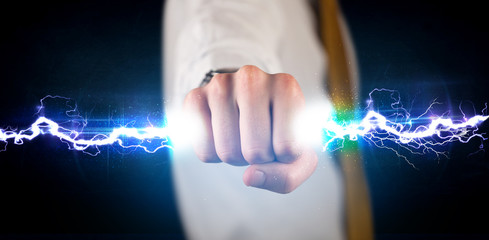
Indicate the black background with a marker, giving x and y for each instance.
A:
(426, 50)
(107, 57)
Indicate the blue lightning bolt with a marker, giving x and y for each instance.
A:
(398, 128)
(403, 130)
(74, 138)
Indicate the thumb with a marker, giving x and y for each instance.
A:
(281, 177)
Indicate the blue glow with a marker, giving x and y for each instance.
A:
(398, 127)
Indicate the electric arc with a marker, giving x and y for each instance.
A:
(422, 134)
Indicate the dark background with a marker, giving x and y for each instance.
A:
(106, 55)
(426, 50)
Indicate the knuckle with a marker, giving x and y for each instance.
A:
(252, 83)
(257, 155)
(250, 77)
(220, 85)
(287, 151)
(288, 84)
(287, 78)
(249, 69)
(221, 79)
(195, 95)
(230, 157)
(207, 157)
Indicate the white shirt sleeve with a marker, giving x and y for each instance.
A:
(214, 34)
(277, 36)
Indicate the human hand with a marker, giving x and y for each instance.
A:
(247, 118)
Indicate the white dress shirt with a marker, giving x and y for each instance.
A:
(277, 36)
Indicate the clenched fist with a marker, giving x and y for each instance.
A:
(247, 118)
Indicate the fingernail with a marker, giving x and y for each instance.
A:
(257, 178)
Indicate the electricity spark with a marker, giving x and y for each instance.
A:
(150, 139)
(403, 131)
(44, 126)
(398, 128)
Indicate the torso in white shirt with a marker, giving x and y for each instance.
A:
(213, 201)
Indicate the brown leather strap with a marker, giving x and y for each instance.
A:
(358, 217)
